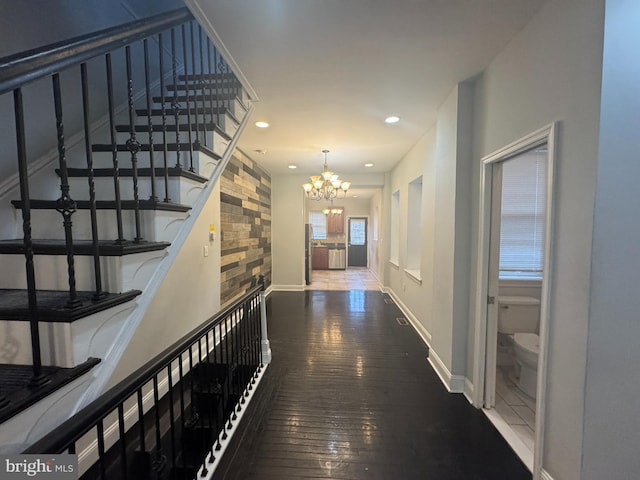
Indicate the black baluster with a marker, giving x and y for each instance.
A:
(210, 83)
(158, 462)
(175, 106)
(114, 150)
(213, 406)
(38, 378)
(202, 86)
(172, 420)
(187, 91)
(194, 86)
(165, 153)
(133, 146)
(123, 444)
(218, 94)
(92, 191)
(147, 83)
(100, 438)
(229, 367)
(65, 205)
(223, 393)
(141, 428)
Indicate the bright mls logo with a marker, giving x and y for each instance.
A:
(53, 467)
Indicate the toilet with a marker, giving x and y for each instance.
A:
(519, 317)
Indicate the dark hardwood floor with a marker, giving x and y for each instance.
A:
(350, 395)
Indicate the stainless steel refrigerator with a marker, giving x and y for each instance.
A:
(308, 252)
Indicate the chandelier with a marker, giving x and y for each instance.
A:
(326, 185)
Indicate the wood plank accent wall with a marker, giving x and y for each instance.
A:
(245, 229)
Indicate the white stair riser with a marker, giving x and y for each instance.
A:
(119, 274)
(156, 226)
(65, 344)
(181, 190)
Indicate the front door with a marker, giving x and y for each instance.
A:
(357, 252)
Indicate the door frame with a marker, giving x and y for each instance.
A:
(349, 217)
(548, 135)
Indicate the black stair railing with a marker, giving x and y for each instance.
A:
(114, 68)
(172, 414)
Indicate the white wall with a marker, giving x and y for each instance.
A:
(611, 419)
(416, 296)
(551, 71)
(287, 231)
(188, 296)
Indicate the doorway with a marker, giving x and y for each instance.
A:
(495, 270)
(357, 242)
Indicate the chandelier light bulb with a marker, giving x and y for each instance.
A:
(327, 185)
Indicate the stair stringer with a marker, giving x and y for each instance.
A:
(36, 421)
(102, 374)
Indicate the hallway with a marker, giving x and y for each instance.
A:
(350, 395)
(353, 278)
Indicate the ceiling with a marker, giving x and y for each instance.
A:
(328, 72)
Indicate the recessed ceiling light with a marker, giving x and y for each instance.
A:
(293, 166)
(262, 124)
(261, 152)
(392, 119)
(355, 196)
(368, 165)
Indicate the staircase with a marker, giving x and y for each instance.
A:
(96, 225)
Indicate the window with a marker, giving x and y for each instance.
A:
(394, 256)
(523, 215)
(318, 221)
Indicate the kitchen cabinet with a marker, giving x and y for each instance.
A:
(320, 258)
(335, 223)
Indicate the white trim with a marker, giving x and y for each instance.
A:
(414, 275)
(395, 264)
(287, 288)
(468, 390)
(417, 325)
(202, 19)
(514, 441)
(212, 466)
(546, 135)
(544, 475)
(453, 383)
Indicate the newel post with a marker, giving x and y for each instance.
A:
(266, 348)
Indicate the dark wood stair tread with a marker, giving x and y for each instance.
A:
(108, 248)
(14, 304)
(109, 205)
(199, 97)
(169, 112)
(15, 384)
(142, 128)
(171, 147)
(128, 172)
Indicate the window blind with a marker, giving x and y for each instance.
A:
(318, 221)
(523, 214)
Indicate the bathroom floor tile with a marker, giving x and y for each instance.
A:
(507, 412)
(526, 414)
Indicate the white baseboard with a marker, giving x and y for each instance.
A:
(453, 383)
(544, 475)
(287, 288)
(422, 331)
(468, 390)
